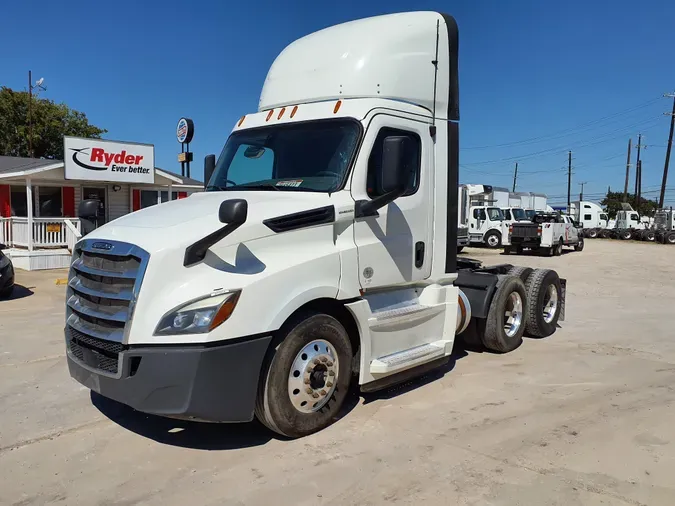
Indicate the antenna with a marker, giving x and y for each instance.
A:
(434, 62)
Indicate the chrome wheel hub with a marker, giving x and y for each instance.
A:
(550, 303)
(513, 316)
(313, 376)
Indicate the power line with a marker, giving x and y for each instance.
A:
(670, 144)
(573, 129)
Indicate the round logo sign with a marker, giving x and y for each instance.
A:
(185, 130)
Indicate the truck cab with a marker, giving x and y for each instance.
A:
(485, 225)
(664, 226)
(323, 249)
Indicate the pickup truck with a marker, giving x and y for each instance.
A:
(547, 232)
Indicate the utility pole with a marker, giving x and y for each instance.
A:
(581, 194)
(625, 186)
(515, 177)
(638, 193)
(670, 145)
(637, 162)
(569, 181)
(30, 121)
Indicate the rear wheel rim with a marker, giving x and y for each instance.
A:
(313, 376)
(550, 303)
(513, 314)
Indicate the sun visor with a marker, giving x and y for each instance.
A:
(390, 57)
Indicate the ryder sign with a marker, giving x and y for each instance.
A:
(111, 161)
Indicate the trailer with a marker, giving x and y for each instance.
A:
(322, 254)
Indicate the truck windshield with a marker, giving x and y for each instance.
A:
(519, 214)
(495, 214)
(312, 156)
(530, 213)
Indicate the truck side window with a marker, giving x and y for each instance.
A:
(479, 214)
(507, 214)
(414, 158)
(634, 217)
(588, 217)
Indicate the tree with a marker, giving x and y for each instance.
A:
(612, 203)
(51, 122)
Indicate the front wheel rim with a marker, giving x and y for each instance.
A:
(513, 314)
(492, 241)
(313, 376)
(550, 303)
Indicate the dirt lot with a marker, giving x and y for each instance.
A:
(579, 418)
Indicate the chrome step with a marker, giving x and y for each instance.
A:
(404, 314)
(407, 358)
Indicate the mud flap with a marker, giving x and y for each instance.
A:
(563, 292)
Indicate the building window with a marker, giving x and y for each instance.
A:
(153, 197)
(49, 202)
(18, 201)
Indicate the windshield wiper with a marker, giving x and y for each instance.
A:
(259, 186)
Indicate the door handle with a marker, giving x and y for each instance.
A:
(419, 254)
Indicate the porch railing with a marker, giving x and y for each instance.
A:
(45, 233)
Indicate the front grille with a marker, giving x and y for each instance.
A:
(96, 353)
(101, 295)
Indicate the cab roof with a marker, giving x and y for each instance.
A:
(385, 57)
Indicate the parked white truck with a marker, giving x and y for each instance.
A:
(664, 226)
(592, 218)
(547, 232)
(323, 249)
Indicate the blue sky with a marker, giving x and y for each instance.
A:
(536, 78)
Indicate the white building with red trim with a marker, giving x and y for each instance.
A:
(38, 206)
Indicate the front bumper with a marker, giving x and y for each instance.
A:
(6, 277)
(208, 383)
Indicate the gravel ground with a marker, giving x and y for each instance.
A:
(578, 418)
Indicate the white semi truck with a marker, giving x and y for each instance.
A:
(664, 226)
(592, 218)
(324, 249)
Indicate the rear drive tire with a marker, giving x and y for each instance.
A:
(314, 349)
(558, 249)
(579, 246)
(544, 302)
(625, 234)
(505, 324)
(493, 239)
(459, 249)
(592, 233)
(669, 238)
(522, 272)
(649, 236)
(507, 250)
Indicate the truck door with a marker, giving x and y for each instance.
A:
(394, 247)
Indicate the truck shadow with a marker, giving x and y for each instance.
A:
(221, 436)
(183, 433)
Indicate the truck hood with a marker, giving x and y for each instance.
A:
(181, 222)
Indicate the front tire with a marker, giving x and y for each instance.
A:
(669, 238)
(306, 380)
(493, 239)
(544, 302)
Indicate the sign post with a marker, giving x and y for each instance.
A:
(185, 130)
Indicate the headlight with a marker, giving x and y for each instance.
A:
(198, 316)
